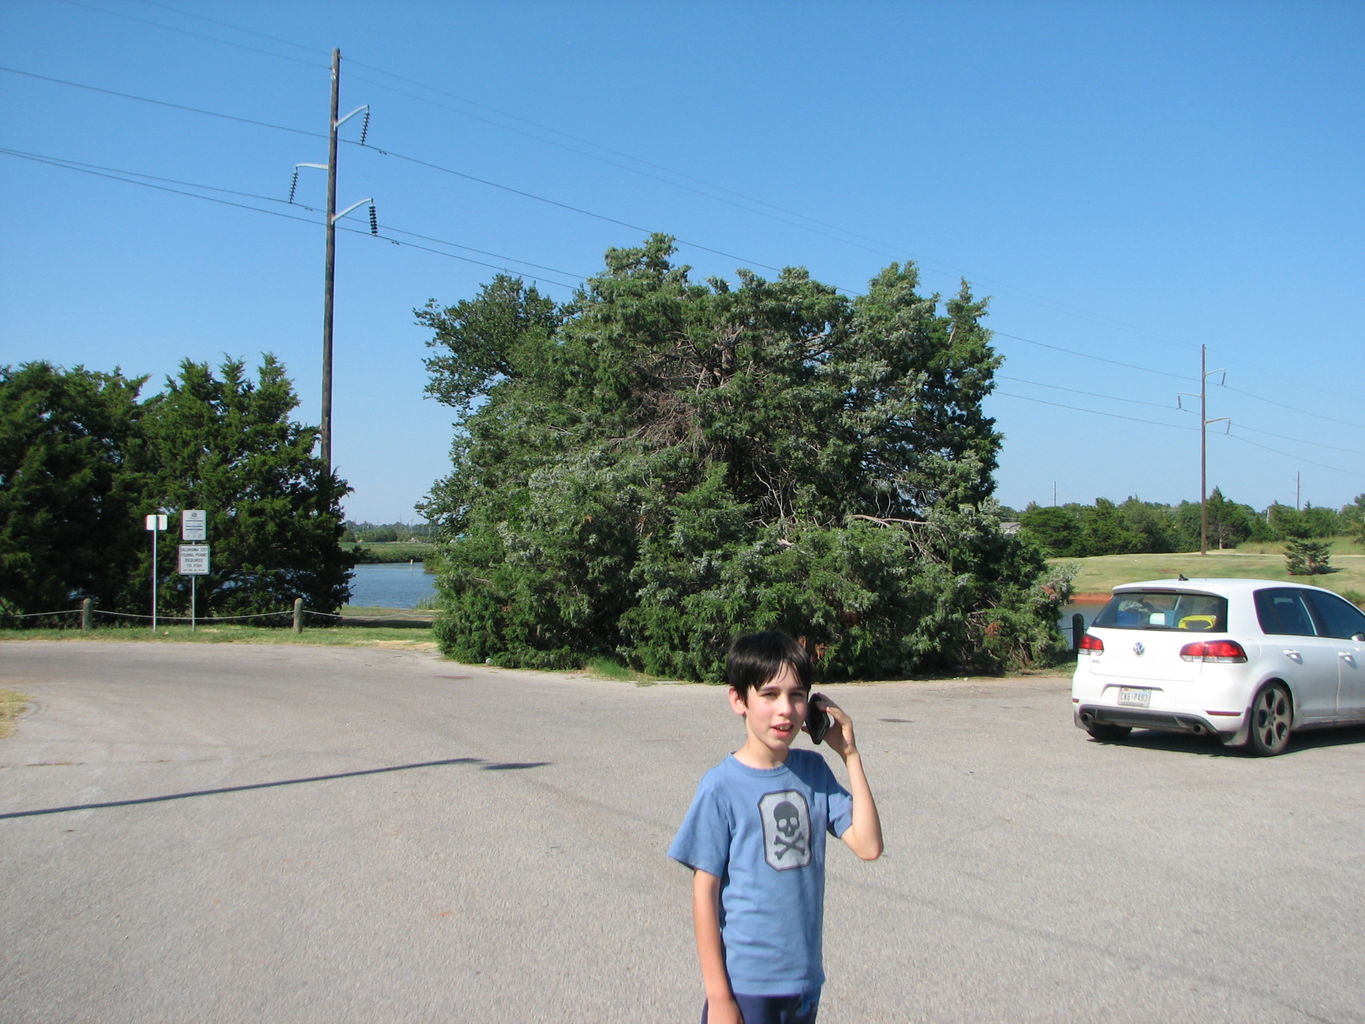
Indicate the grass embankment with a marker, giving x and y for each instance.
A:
(416, 635)
(1099, 574)
(391, 551)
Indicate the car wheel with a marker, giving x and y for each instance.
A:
(1271, 716)
(1109, 733)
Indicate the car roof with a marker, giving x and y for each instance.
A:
(1211, 584)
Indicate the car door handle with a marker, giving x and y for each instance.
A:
(1292, 654)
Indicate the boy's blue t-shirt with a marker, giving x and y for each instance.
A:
(762, 832)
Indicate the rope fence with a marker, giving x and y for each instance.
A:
(86, 613)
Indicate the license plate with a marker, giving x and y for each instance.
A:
(1131, 697)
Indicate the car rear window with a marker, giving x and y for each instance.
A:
(1165, 609)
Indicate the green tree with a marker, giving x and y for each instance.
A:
(1103, 531)
(658, 464)
(70, 512)
(1320, 521)
(1306, 557)
(1353, 518)
(225, 443)
(1285, 522)
(1229, 523)
(1056, 529)
(1152, 524)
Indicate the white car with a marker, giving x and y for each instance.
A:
(1247, 661)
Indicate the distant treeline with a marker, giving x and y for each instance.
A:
(1106, 528)
(387, 533)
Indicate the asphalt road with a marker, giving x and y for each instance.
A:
(270, 833)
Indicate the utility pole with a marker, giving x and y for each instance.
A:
(329, 270)
(1204, 422)
(329, 285)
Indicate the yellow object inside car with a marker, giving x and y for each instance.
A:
(1199, 622)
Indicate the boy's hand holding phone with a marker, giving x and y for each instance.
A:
(826, 720)
(818, 721)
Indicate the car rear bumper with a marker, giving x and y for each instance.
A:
(1228, 729)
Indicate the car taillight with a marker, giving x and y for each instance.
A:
(1223, 652)
(1091, 645)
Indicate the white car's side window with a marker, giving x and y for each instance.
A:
(1337, 616)
(1283, 613)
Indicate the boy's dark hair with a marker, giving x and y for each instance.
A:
(757, 657)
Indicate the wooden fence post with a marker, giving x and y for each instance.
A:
(298, 615)
(86, 606)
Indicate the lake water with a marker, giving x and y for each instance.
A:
(391, 585)
(404, 585)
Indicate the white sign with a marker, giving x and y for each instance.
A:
(194, 524)
(194, 559)
(156, 523)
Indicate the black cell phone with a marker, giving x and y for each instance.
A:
(817, 720)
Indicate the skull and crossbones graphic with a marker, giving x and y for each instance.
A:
(788, 822)
(786, 829)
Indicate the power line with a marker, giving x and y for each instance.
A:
(114, 174)
(565, 206)
(166, 103)
(1088, 394)
(1093, 412)
(1090, 355)
(845, 235)
(1296, 458)
(398, 156)
(1304, 412)
(848, 235)
(200, 35)
(1301, 440)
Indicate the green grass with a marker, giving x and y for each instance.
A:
(609, 668)
(12, 705)
(415, 637)
(393, 551)
(1101, 573)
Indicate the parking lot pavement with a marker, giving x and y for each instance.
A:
(243, 833)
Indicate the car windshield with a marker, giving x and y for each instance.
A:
(1165, 609)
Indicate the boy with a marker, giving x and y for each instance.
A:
(755, 840)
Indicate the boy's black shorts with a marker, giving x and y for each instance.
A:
(776, 1009)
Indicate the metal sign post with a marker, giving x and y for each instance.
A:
(194, 558)
(194, 562)
(155, 523)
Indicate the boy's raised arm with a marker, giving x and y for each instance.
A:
(864, 836)
(721, 1007)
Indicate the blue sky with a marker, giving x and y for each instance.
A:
(1127, 181)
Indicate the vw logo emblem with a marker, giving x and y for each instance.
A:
(1138, 649)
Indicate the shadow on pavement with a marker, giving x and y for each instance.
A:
(1301, 741)
(491, 766)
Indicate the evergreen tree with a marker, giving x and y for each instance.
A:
(659, 464)
(1305, 557)
(1103, 531)
(1056, 529)
(1152, 524)
(1353, 518)
(70, 511)
(225, 444)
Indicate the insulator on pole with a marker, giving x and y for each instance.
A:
(365, 126)
(374, 221)
(294, 184)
